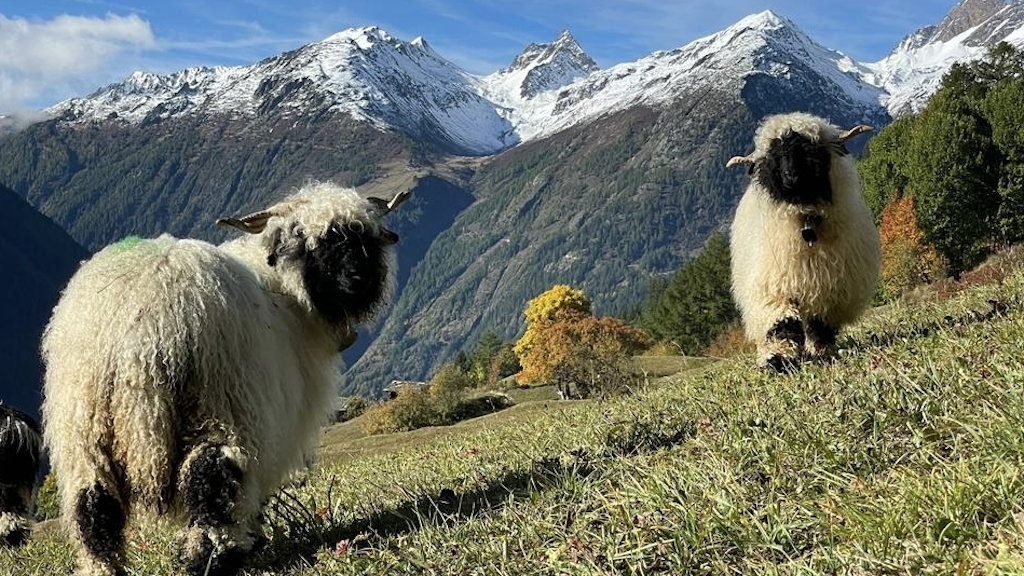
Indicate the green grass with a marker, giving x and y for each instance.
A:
(904, 456)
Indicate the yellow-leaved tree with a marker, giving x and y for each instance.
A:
(565, 342)
(540, 312)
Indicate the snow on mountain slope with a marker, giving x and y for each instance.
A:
(366, 72)
(537, 72)
(913, 71)
(762, 43)
(406, 85)
(549, 87)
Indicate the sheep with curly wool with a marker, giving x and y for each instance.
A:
(805, 250)
(190, 380)
(21, 444)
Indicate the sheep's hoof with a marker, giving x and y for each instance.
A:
(15, 538)
(202, 558)
(824, 354)
(780, 364)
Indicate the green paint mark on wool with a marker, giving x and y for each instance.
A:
(126, 244)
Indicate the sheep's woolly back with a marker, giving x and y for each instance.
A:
(158, 341)
(152, 341)
(775, 272)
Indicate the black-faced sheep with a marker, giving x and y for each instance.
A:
(192, 380)
(805, 250)
(21, 443)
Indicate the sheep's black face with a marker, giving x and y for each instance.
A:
(795, 170)
(346, 275)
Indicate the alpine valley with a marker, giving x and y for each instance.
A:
(549, 171)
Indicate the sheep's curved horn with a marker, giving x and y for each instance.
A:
(398, 199)
(386, 206)
(740, 161)
(855, 131)
(252, 224)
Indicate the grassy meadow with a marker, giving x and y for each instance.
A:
(903, 456)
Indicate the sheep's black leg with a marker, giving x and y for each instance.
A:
(784, 345)
(19, 453)
(14, 522)
(211, 485)
(821, 339)
(100, 520)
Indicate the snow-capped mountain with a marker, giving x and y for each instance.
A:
(392, 83)
(406, 85)
(540, 68)
(912, 72)
(761, 44)
(365, 72)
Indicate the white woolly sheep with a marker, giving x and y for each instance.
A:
(191, 380)
(805, 250)
(21, 443)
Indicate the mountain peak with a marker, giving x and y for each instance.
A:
(543, 67)
(966, 15)
(913, 71)
(762, 20)
(564, 46)
(364, 37)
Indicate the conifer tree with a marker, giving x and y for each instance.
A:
(953, 167)
(696, 304)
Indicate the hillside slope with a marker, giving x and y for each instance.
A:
(902, 456)
(38, 259)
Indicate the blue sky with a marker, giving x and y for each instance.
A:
(56, 49)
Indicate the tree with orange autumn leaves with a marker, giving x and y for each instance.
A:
(563, 338)
(907, 260)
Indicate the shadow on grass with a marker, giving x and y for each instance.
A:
(299, 532)
(881, 339)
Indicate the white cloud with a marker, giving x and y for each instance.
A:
(42, 60)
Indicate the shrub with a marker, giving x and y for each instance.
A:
(352, 407)
(663, 348)
(731, 342)
(907, 260)
(411, 408)
(504, 364)
(444, 401)
(47, 499)
(596, 375)
(447, 389)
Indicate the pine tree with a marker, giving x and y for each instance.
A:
(1004, 108)
(954, 185)
(884, 167)
(697, 304)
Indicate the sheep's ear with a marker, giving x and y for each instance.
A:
(386, 206)
(251, 224)
(855, 131)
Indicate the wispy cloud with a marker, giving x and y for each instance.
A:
(41, 57)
